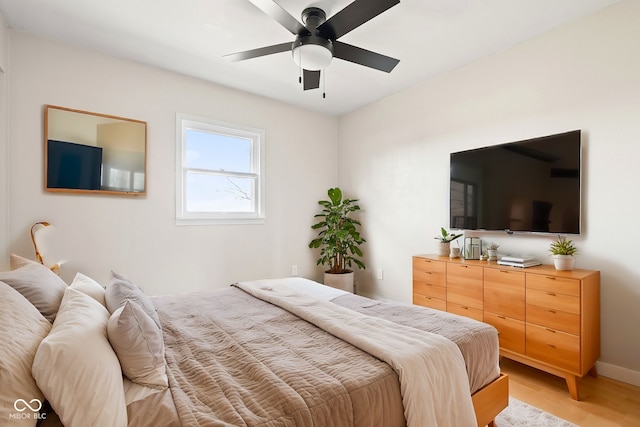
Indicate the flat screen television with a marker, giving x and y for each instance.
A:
(526, 186)
(73, 166)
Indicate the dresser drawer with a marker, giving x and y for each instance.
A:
(426, 264)
(464, 310)
(429, 290)
(560, 285)
(429, 272)
(504, 292)
(553, 319)
(464, 285)
(427, 301)
(554, 347)
(554, 301)
(511, 331)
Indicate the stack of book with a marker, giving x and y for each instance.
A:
(519, 261)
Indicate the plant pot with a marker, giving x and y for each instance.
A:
(342, 281)
(492, 254)
(443, 248)
(563, 262)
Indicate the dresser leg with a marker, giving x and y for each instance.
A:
(572, 383)
(593, 372)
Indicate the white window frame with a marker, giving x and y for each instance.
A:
(257, 136)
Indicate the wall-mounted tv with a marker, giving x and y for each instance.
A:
(73, 166)
(525, 186)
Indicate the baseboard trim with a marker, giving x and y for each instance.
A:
(618, 373)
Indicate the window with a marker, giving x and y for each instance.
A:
(220, 170)
(463, 205)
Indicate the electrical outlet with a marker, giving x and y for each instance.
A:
(380, 274)
(294, 270)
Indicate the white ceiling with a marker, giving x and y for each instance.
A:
(429, 37)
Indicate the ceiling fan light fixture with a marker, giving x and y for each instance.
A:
(312, 53)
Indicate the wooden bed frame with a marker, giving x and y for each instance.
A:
(490, 400)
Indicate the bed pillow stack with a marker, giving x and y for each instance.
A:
(76, 364)
(135, 333)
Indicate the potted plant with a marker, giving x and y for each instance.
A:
(445, 239)
(492, 251)
(563, 251)
(338, 239)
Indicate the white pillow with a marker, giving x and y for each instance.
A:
(139, 346)
(76, 368)
(41, 286)
(88, 286)
(22, 328)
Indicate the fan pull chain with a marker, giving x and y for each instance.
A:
(324, 84)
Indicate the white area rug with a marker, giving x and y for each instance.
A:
(520, 414)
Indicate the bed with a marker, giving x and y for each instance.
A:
(287, 352)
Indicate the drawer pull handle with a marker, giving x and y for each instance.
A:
(551, 278)
(550, 330)
(501, 317)
(551, 345)
(464, 266)
(465, 307)
(551, 294)
(504, 271)
(551, 311)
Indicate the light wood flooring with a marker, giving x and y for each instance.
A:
(603, 402)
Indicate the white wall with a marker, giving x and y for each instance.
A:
(4, 53)
(583, 76)
(138, 236)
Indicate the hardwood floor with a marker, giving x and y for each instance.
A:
(603, 402)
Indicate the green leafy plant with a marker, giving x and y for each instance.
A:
(492, 246)
(338, 238)
(446, 237)
(563, 246)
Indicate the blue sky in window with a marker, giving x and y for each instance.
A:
(206, 150)
(218, 152)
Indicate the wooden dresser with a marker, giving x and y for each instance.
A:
(545, 318)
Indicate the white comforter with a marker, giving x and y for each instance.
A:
(433, 379)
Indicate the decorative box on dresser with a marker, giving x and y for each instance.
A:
(545, 318)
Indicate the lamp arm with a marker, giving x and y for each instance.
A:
(33, 239)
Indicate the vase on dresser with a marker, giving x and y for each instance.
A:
(563, 262)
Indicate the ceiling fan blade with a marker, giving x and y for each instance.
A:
(310, 79)
(364, 57)
(354, 15)
(262, 51)
(278, 13)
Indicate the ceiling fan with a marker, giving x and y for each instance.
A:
(316, 42)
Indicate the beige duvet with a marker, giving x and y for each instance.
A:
(236, 360)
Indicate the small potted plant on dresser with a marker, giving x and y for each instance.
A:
(563, 252)
(445, 239)
(338, 239)
(492, 251)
